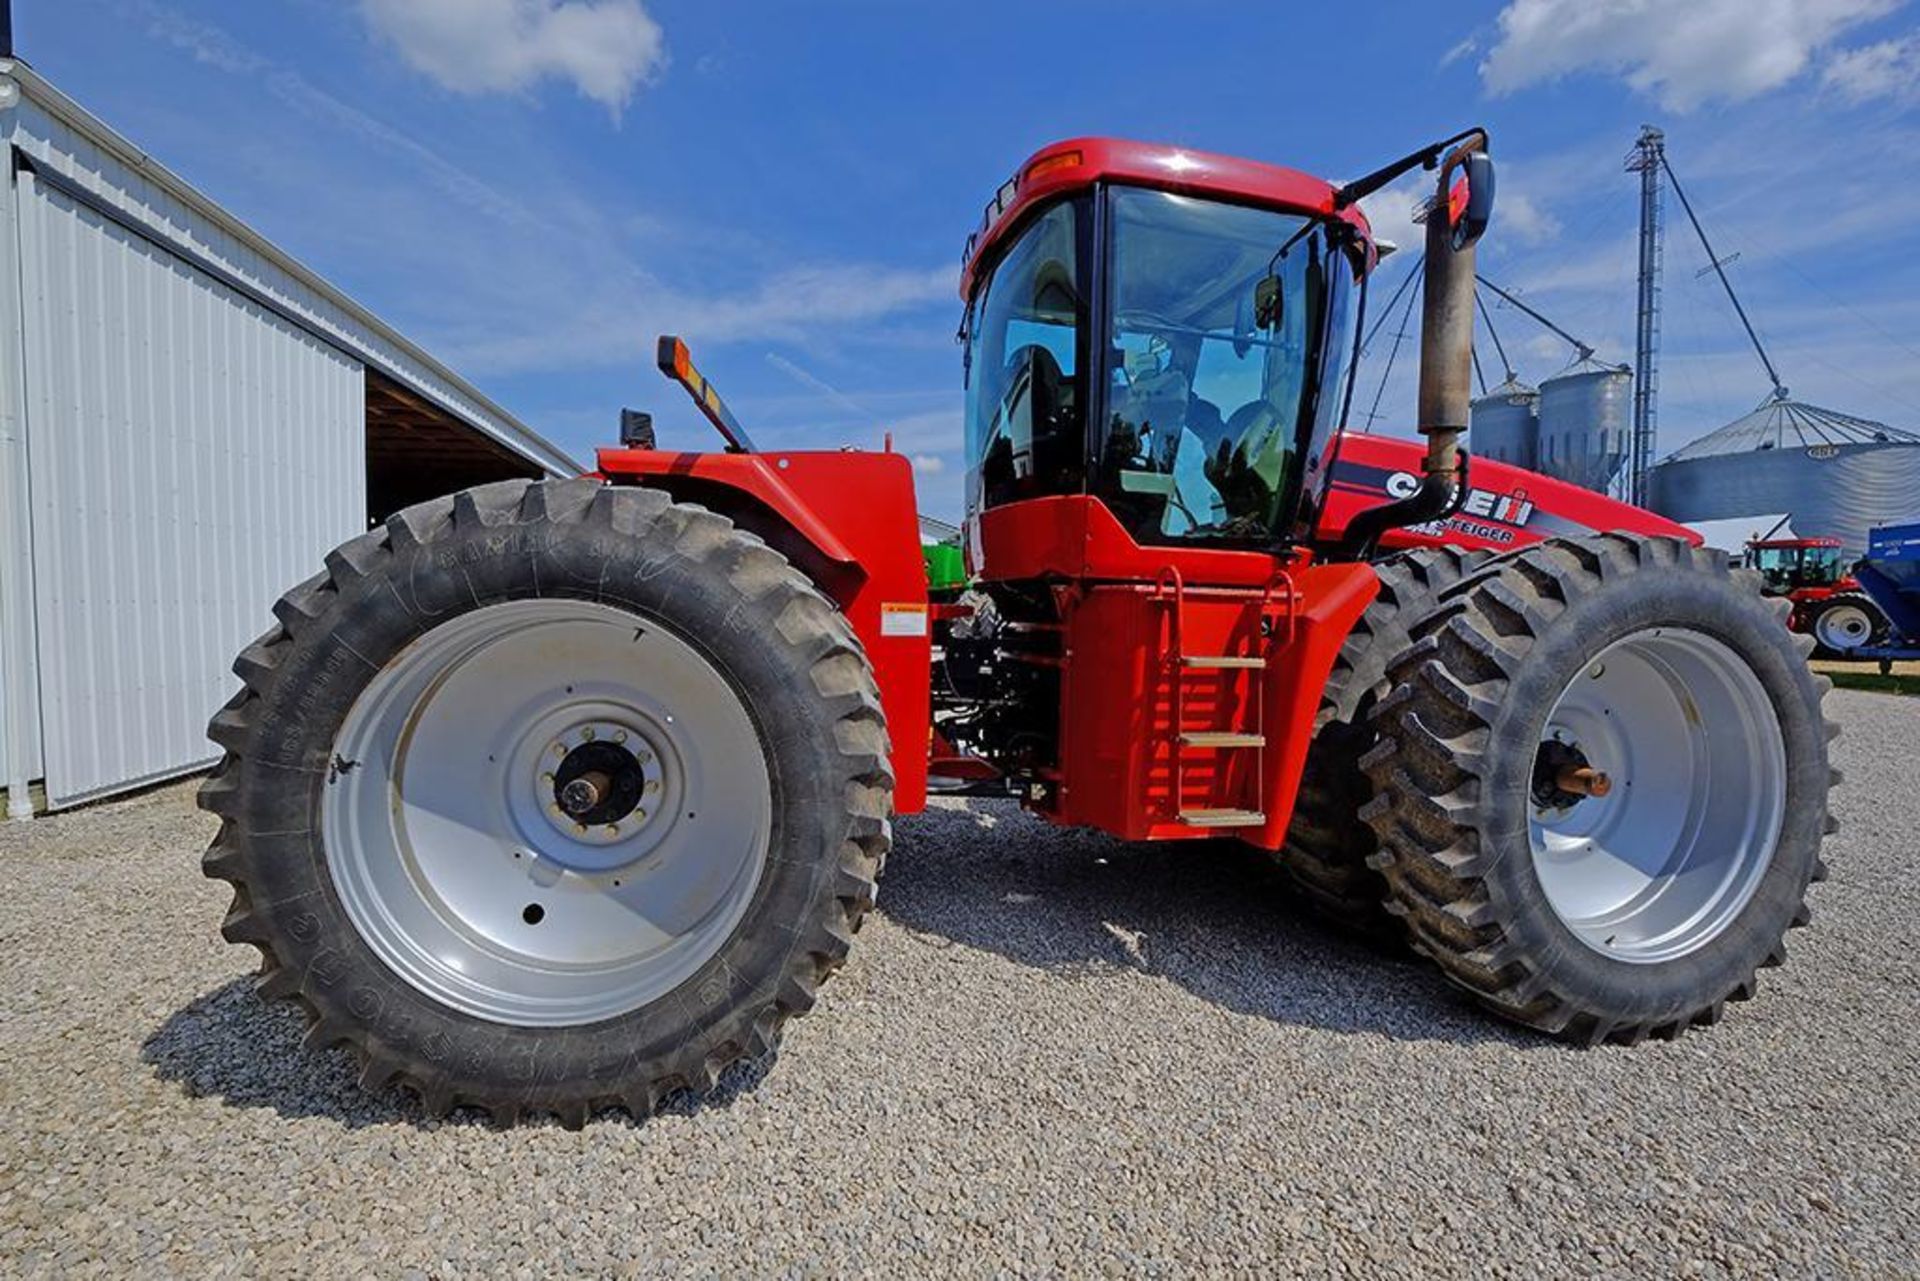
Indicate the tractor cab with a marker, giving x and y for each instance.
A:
(1788, 565)
(1828, 601)
(1159, 347)
(1161, 332)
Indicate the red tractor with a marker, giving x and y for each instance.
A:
(1828, 601)
(548, 797)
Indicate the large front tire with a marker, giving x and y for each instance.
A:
(551, 797)
(1603, 908)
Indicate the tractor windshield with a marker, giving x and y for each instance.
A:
(1789, 567)
(1197, 405)
(1217, 389)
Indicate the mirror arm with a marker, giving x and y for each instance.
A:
(1425, 158)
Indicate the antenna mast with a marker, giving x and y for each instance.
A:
(1649, 160)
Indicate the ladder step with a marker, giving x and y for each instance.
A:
(1223, 818)
(1222, 660)
(1211, 739)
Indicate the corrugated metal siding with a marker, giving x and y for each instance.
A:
(190, 457)
(148, 193)
(190, 453)
(1830, 491)
(6, 757)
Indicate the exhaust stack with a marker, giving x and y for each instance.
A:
(1462, 208)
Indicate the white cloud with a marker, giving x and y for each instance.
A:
(931, 431)
(606, 48)
(1465, 49)
(1889, 69)
(1524, 218)
(453, 182)
(597, 320)
(207, 44)
(1517, 214)
(791, 302)
(929, 464)
(500, 284)
(825, 390)
(1391, 211)
(1682, 52)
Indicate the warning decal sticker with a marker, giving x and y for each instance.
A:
(902, 619)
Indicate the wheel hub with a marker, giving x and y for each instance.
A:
(599, 781)
(1563, 777)
(1844, 627)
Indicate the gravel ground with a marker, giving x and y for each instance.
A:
(1051, 1053)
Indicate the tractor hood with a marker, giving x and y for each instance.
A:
(1505, 506)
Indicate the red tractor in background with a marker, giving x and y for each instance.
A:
(548, 797)
(1828, 602)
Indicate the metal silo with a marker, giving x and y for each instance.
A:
(1837, 476)
(1506, 424)
(1586, 423)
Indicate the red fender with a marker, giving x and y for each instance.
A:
(848, 519)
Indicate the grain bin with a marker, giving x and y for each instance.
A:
(1586, 423)
(1505, 424)
(1835, 475)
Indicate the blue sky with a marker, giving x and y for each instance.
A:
(534, 188)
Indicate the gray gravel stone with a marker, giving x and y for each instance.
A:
(1051, 1053)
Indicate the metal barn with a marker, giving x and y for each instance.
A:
(189, 420)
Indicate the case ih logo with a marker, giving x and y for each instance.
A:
(1513, 510)
(1823, 452)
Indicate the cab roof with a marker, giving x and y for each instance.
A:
(1081, 162)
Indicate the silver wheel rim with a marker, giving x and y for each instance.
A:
(456, 860)
(1689, 741)
(1843, 627)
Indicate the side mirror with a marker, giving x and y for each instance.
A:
(1470, 201)
(1269, 303)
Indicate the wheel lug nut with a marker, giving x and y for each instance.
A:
(620, 736)
(613, 829)
(586, 735)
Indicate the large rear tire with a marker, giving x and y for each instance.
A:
(1603, 908)
(1327, 845)
(551, 797)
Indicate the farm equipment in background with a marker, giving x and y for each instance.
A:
(1890, 574)
(549, 797)
(1828, 603)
